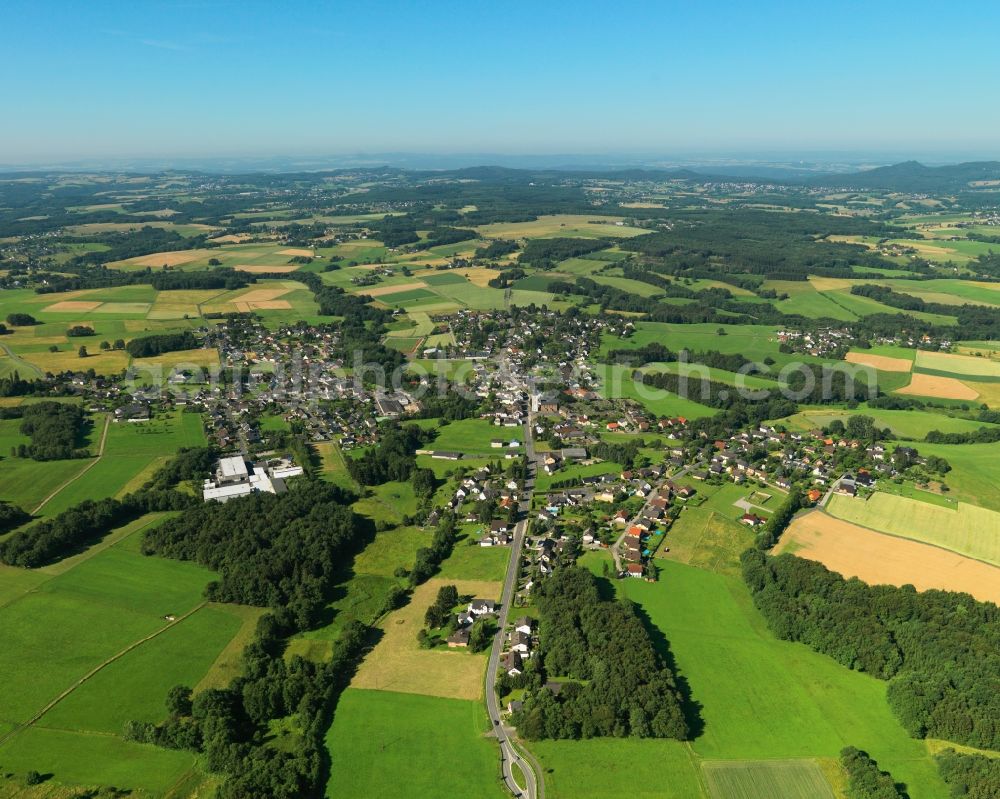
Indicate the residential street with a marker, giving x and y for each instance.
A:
(519, 776)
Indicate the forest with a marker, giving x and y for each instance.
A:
(270, 550)
(940, 651)
(618, 683)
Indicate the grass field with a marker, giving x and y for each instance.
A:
(95, 612)
(469, 561)
(474, 436)
(386, 744)
(968, 530)
(397, 663)
(975, 471)
(788, 779)
(855, 551)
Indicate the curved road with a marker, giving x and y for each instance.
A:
(518, 774)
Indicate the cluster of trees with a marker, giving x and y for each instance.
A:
(940, 651)
(546, 253)
(497, 249)
(80, 331)
(625, 687)
(865, 780)
(970, 776)
(55, 429)
(147, 346)
(229, 725)
(277, 551)
(439, 613)
(11, 516)
(21, 319)
(393, 459)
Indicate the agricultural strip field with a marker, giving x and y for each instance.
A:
(397, 663)
(967, 530)
(924, 385)
(877, 559)
(961, 366)
(436, 747)
(788, 779)
(561, 226)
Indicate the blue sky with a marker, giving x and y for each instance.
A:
(146, 78)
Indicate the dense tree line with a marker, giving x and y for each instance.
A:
(977, 322)
(940, 651)
(429, 558)
(219, 278)
(55, 430)
(73, 530)
(655, 352)
(780, 519)
(619, 683)
(270, 550)
(13, 385)
(148, 346)
(984, 435)
(865, 780)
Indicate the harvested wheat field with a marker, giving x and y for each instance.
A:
(262, 268)
(876, 558)
(479, 276)
(71, 306)
(829, 283)
(882, 362)
(172, 258)
(397, 663)
(942, 387)
(381, 291)
(299, 251)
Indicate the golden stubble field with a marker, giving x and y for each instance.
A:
(878, 559)
(397, 663)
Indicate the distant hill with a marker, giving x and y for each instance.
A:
(912, 176)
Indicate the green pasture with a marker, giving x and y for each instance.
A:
(436, 748)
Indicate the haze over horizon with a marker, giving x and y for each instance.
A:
(674, 82)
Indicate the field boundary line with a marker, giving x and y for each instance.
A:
(83, 471)
(903, 537)
(96, 670)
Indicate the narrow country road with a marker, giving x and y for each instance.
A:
(83, 471)
(518, 774)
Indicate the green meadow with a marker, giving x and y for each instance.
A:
(103, 613)
(393, 744)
